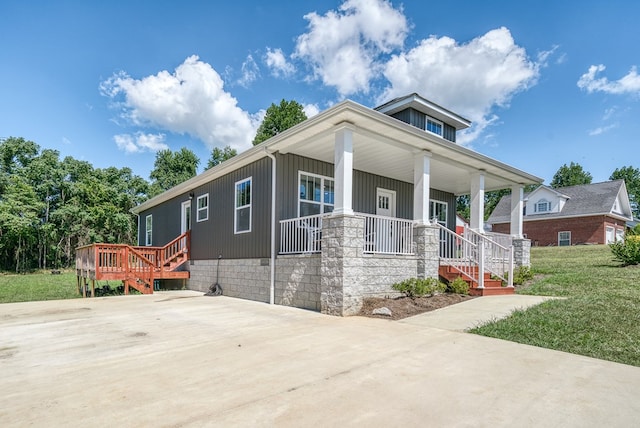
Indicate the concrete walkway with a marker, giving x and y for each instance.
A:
(472, 313)
(182, 359)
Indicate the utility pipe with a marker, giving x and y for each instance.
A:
(272, 286)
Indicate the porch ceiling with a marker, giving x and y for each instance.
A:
(386, 146)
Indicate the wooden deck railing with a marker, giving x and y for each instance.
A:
(133, 265)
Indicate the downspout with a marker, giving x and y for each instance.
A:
(272, 286)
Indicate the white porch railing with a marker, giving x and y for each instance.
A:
(387, 235)
(498, 259)
(475, 253)
(382, 235)
(301, 235)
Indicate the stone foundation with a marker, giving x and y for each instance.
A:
(334, 282)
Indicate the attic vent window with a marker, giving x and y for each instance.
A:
(434, 126)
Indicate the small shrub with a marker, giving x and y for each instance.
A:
(627, 252)
(459, 286)
(418, 287)
(521, 274)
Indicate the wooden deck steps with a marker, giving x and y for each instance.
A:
(136, 267)
(492, 287)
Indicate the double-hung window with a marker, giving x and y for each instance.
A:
(202, 212)
(148, 228)
(434, 126)
(316, 194)
(543, 206)
(564, 238)
(242, 218)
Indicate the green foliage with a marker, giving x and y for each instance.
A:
(631, 177)
(220, 155)
(491, 199)
(458, 286)
(599, 316)
(171, 169)
(279, 118)
(418, 287)
(48, 207)
(571, 175)
(627, 252)
(521, 274)
(38, 286)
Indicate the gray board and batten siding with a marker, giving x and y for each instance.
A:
(419, 120)
(215, 236)
(364, 189)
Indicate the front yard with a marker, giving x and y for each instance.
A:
(600, 316)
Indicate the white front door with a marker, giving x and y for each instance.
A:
(385, 206)
(185, 222)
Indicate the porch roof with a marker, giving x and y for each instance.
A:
(382, 145)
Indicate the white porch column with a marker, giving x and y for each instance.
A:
(343, 171)
(476, 222)
(517, 206)
(421, 187)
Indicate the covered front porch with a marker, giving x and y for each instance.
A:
(351, 244)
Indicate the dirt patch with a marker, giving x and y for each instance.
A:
(403, 307)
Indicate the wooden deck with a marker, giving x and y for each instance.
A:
(136, 267)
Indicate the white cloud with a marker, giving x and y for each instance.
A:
(469, 78)
(343, 47)
(278, 63)
(190, 100)
(602, 129)
(250, 72)
(140, 142)
(310, 110)
(629, 84)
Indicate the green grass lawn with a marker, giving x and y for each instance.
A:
(37, 286)
(600, 316)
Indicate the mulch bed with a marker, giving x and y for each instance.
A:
(403, 307)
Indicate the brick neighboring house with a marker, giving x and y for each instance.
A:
(585, 214)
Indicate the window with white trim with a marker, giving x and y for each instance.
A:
(148, 230)
(610, 235)
(202, 210)
(316, 194)
(242, 217)
(434, 126)
(564, 239)
(438, 211)
(542, 206)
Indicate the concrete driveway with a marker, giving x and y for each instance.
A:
(182, 359)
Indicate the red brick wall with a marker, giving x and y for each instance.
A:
(584, 230)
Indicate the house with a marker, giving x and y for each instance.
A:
(338, 208)
(584, 214)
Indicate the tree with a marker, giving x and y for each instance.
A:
(491, 199)
(631, 177)
(220, 155)
(279, 118)
(171, 169)
(571, 175)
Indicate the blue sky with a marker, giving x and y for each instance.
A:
(545, 83)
